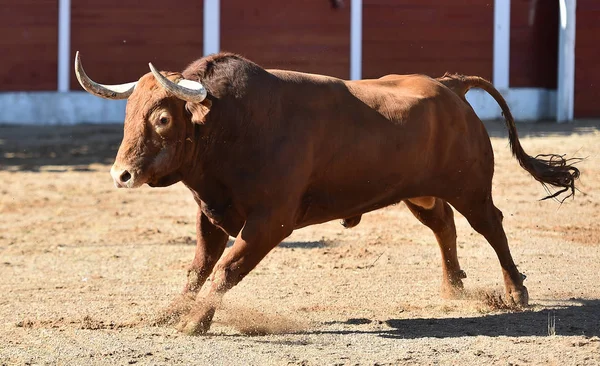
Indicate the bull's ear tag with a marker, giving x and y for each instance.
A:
(199, 110)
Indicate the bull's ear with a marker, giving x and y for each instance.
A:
(198, 111)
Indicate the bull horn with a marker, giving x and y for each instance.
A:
(121, 91)
(188, 90)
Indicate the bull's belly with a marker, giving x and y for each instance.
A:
(317, 209)
(326, 202)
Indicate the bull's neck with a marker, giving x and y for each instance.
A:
(207, 186)
(198, 168)
(194, 148)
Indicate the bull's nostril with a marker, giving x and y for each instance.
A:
(125, 177)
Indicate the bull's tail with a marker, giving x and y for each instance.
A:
(550, 169)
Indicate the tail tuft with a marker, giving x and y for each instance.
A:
(555, 170)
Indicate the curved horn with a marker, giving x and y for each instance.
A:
(121, 91)
(188, 90)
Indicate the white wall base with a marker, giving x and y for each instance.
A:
(526, 104)
(49, 108)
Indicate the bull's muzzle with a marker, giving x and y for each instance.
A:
(122, 178)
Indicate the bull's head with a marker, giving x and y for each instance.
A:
(158, 128)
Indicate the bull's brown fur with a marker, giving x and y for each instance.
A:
(270, 151)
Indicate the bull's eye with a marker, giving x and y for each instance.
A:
(163, 120)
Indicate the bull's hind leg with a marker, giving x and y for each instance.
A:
(437, 215)
(486, 219)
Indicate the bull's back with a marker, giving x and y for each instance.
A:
(425, 126)
(395, 138)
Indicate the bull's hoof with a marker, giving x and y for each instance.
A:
(197, 322)
(452, 286)
(518, 298)
(191, 327)
(172, 314)
(453, 291)
(351, 222)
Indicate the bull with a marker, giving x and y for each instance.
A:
(265, 152)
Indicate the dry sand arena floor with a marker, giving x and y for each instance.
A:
(85, 267)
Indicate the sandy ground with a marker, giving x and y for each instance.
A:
(84, 267)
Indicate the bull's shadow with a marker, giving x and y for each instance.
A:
(581, 318)
(292, 244)
(33, 148)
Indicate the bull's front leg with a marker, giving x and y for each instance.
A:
(257, 238)
(210, 244)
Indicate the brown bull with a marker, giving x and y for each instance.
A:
(265, 152)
